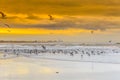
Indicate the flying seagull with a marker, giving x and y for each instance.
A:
(3, 15)
(51, 17)
(7, 25)
(9, 30)
(92, 32)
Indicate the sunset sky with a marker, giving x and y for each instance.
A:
(73, 20)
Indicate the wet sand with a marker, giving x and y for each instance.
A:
(23, 68)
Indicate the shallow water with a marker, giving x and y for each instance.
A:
(22, 68)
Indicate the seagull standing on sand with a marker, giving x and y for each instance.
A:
(110, 41)
(43, 47)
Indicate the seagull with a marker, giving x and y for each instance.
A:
(9, 30)
(43, 47)
(3, 15)
(110, 41)
(57, 72)
(7, 25)
(4, 55)
(51, 17)
(92, 32)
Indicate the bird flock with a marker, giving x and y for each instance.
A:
(43, 50)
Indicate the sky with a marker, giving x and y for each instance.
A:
(73, 20)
